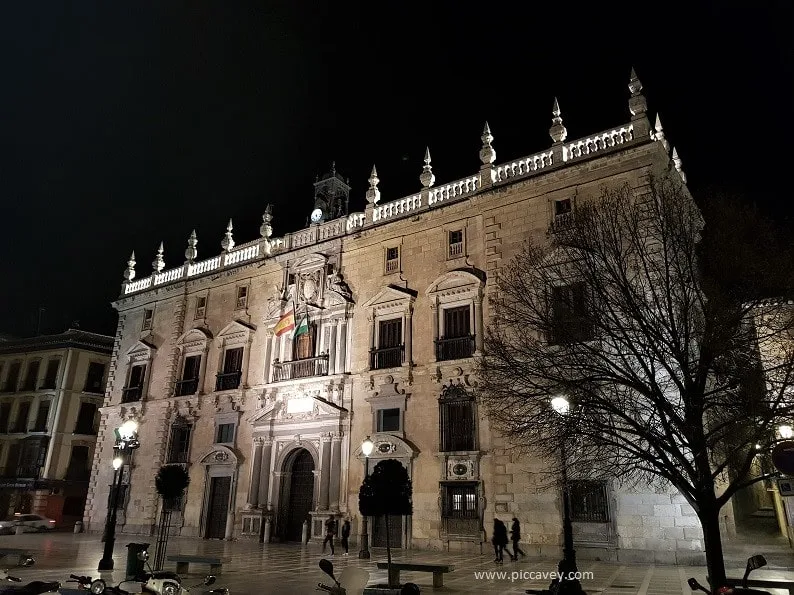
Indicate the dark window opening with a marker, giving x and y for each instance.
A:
(148, 316)
(94, 378)
(456, 416)
(562, 207)
(455, 243)
(456, 342)
(392, 259)
(179, 447)
(460, 512)
(5, 416)
(21, 422)
(73, 506)
(86, 419)
(51, 377)
(134, 390)
(242, 297)
(589, 501)
(31, 461)
(571, 321)
(201, 307)
(232, 369)
(79, 466)
(225, 434)
(42, 416)
(13, 377)
(190, 376)
(31, 376)
(390, 350)
(388, 420)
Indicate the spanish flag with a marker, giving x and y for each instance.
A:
(286, 323)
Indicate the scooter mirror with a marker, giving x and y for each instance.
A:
(755, 562)
(210, 580)
(328, 568)
(28, 561)
(143, 556)
(13, 579)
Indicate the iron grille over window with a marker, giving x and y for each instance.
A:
(455, 243)
(179, 447)
(456, 341)
(392, 259)
(460, 512)
(589, 501)
(134, 390)
(390, 350)
(571, 321)
(456, 415)
(190, 376)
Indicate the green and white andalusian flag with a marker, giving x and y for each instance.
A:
(303, 327)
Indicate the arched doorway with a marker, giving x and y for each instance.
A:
(297, 494)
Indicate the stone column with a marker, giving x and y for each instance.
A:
(408, 335)
(230, 512)
(332, 348)
(253, 488)
(434, 325)
(478, 326)
(342, 346)
(268, 356)
(336, 469)
(325, 470)
(264, 474)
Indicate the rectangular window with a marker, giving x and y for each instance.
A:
(32, 375)
(562, 207)
(134, 390)
(460, 512)
(79, 468)
(190, 376)
(388, 420)
(390, 349)
(392, 260)
(455, 243)
(291, 279)
(51, 377)
(457, 422)
(94, 378)
(589, 501)
(86, 419)
(242, 297)
(232, 369)
(571, 320)
(21, 422)
(5, 416)
(225, 434)
(201, 307)
(456, 340)
(12, 462)
(12, 381)
(179, 447)
(148, 316)
(42, 416)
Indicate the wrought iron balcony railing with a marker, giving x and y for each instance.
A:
(454, 347)
(228, 380)
(186, 387)
(131, 394)
(301, 368)
(386, 357)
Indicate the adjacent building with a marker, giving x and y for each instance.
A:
(51, 389)
(263, 368)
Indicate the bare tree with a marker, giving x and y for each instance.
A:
(669, 376)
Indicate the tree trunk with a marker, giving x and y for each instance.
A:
(388, 553)
(709, 515)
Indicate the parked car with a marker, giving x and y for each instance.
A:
(30, 522)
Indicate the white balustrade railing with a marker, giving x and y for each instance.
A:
(304, 237)
(331, 229)
(454, 189)
(168, 276)
(241, 254)
(397, 207)
(524, 166)
(204, 266)
(355, 220)
(599, 142)
(138, 285)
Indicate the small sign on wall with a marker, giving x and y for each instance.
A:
(785, 487)
(300, 405)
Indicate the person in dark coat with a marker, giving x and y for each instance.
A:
(515, 536)
(330, 533)
(345, 535)
(499, 540)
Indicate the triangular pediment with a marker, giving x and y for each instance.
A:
(391, 294)
(265, 414)
(235, 327)
(310, 261)
(141, 347)
(457, 279)
(194, 335)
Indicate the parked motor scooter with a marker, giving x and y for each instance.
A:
(352, 581)
(753, 563)
(31, 588)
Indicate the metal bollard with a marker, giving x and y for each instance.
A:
(78, 527)
(305, 533)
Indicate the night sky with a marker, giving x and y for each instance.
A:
(127, 123)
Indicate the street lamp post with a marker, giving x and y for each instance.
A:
(126, 442)
(366, 449)
(568, 563)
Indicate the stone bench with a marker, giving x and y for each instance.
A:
(184, 561)
(438, 571)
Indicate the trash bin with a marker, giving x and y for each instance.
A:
(135, 566)
(78, 527)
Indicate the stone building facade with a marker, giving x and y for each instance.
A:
(51, 390)
(395, 299)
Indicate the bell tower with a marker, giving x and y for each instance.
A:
(331, 196)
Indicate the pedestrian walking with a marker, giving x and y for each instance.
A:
(330, 533)
(345, 534)
(515, 536)
(499, 540)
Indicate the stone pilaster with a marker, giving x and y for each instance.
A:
(253, 488)
(336, 470)
(264, 474)
(325, 471)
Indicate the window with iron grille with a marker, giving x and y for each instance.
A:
(589, 501)
(389, 352)
(94, 379)
(459, 500)
(242, 297)
(179, 445)
(456, 340)
(51, 377)
(190, 376)
(148, 316)
(571, 319)
(392, 259)
(201, 307)
(457, 420)
(455, 243)
(232, 369)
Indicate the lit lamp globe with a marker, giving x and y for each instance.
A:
(786, 432)
(128, 429)
(367, 446)
(117, 463)
(560, 405)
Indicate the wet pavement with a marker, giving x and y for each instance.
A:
(290, 568)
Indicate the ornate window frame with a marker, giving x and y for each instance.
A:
(389, 303)
(141, 353)
(454, 289)
(235, 334)
(196, 341)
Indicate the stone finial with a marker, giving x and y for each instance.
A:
(659, 134)
(373, 194)
(129, 272)
(678, 165)
(266, 230)
(158, 263)
(487, 153)
(637, 103)
(557, 132)
(227, 243)
(191, 252)
(427, 177)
